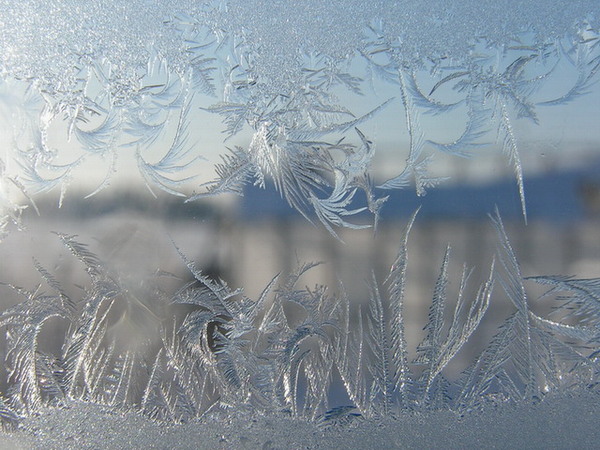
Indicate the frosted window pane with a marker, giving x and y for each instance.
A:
(171, 172)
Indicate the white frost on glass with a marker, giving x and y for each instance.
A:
(124, 74)
(85, 85)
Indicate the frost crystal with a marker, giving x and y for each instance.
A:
(94, 93)
(119, 74)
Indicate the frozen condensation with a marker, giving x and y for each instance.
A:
(84, 85)
(113, 75)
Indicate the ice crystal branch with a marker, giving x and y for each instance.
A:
(207, 346)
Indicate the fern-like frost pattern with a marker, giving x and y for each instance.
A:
(295, 105)
(207, 347)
